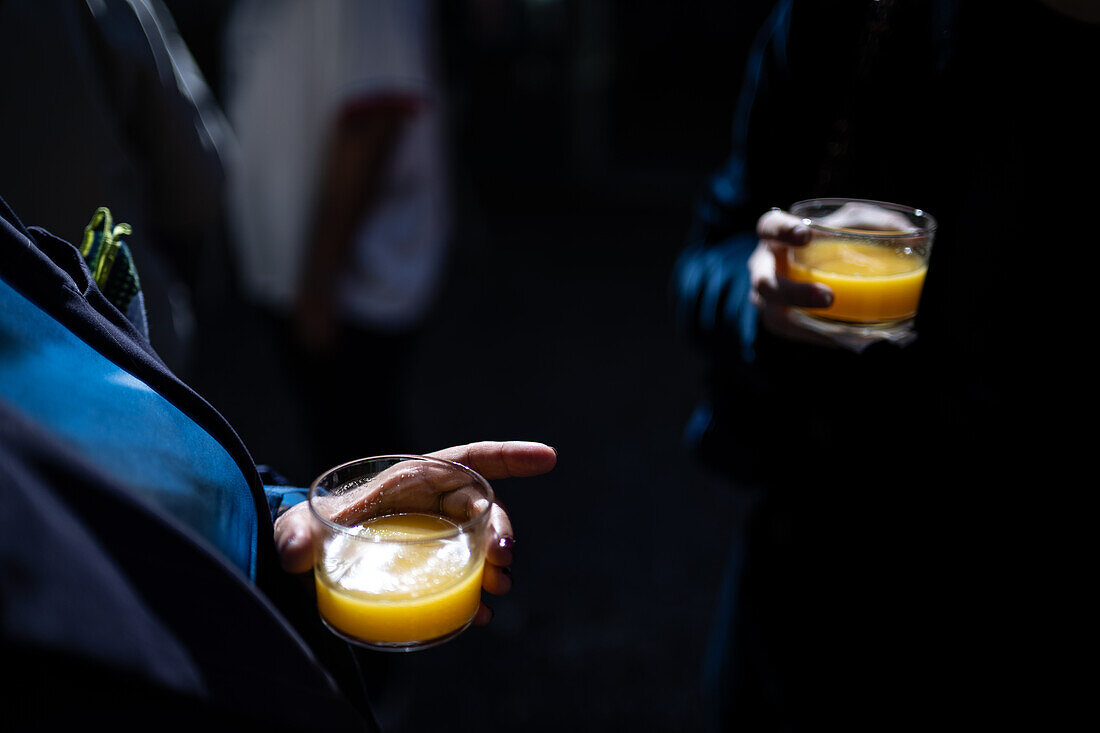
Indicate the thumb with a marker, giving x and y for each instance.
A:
(780, 227)
(294, 539)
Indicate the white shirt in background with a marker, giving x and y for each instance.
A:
(292, 67)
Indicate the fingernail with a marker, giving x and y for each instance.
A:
(823, 298)
(801, 233)
(507, 572)
(507, 543)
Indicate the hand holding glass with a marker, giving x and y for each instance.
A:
(401, 549)
(872, 255)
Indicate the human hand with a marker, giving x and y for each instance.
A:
(772, 292)
(493, 460)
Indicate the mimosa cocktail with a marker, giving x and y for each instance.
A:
(870, 283)
(402, 578)
(872, 255)
(400, 545)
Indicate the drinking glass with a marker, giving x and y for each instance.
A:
(873, 255)
(400, 544)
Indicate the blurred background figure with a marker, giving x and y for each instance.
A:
(338, 202)
(104, 106)
(880, 482)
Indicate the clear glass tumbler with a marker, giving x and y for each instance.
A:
(873, 255)
(400, 547)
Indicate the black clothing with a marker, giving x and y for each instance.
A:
(861, 588)
(112, 608)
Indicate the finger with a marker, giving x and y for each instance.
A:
(762, 269)
(496, 580)
(483, 616)
(781, 292)
(782, 227)
(294, 539)
(509, 459)
(462, 505)
(501, 538)
(771, 290)
(413, 485)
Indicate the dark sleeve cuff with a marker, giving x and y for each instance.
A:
(281, 498)
(280, 494)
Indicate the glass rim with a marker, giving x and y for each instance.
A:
(929, 229)
(466, 527)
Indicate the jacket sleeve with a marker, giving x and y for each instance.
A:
(710, 280)
(281, 495)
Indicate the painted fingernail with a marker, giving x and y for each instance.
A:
(801, 233)
(822, 298)
(507, 543)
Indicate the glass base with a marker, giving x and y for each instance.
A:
(396, 646)
(857, 335)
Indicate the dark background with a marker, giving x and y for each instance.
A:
(581, 132)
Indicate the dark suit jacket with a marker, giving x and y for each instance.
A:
(112, 610)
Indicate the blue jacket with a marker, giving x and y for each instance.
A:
(139, 574)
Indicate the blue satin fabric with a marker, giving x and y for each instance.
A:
(122, 425)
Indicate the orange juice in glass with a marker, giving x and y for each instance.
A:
(873, 255)
(399, 549)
